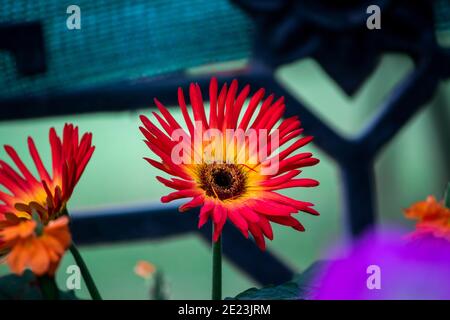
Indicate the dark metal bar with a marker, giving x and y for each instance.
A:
(121, 96)
(405, 100)
(155, 222)
(358, 191)
(324, 136)
(127, 224)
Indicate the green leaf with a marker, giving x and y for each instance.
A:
(286, 291)
(447, 196)
(26, 287)
(297, 289)
(68, 295)
(306, 278)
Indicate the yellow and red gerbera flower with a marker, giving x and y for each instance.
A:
(47, 195)
(433, 218)
(36, 247)
(232, 164)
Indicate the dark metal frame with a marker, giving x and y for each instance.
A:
(286, 31)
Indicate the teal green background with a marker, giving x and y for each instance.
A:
(412, 166)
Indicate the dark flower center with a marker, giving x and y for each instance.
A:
(222, 181)
(223, 178)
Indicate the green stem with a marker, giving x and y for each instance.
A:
(90, 284)
(48, 287)
(92, 288)
(447, 196)
(217, 270)
(157, 291)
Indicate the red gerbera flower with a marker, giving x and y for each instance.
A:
(48, 195)
(232, 164)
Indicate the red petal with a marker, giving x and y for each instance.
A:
(229, 103)
(155, 130)
(217, 213)
(221, 106)
(280, 179)
(196, 202)
(187, 118)
(266, 227)
(257, 235)
(37, 160)
(271, 117)
(238, 221)
(163, 124)
(180, 194)
(306, 183)
(176, 183)
(159, 165)
(166, 114)
(219, 226)
(197, 105)
(85, 144)
(267, 207)
(262, 111)
(296, 145)
(20, 165)
(253, 104)
(12, 180)
(291, 135)
(238, 105)
(249, 214)
(82, 165)
(287, 221)
(56, 146)
(6, 198)
(205, 212)
(288, 123)
(299, 205)
(213, 103)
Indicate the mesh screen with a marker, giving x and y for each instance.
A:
(442, 12)
(124, 39)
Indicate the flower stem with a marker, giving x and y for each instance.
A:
(92, 288)
(48, 287)
(90, 284)
(447, 196)
(217, 270)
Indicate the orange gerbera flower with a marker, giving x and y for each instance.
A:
(34, 246)
(48, 195)
(433, 218)
(232, 164)
(29, 245)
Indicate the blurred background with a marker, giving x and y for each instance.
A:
(129, 43)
